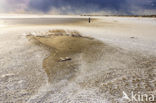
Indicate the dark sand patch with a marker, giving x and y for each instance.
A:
(67, 48)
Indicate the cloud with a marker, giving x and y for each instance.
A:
(74, 6)
(92, 6)
(142, 7)
(79, 6)
(13, 5)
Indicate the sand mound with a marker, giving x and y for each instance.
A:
(65, 49)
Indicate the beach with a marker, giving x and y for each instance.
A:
(65, 59)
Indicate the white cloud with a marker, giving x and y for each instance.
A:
(11, 6)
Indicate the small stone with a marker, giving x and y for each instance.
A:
(132, 37)
(7, 75)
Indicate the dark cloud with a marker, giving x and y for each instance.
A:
(151, 5)
(74, 5)
(80, 6)
(88, 6)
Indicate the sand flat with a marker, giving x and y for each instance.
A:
(125, 61)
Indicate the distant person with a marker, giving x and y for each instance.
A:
(89, 20)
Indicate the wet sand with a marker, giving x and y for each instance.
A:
(65, 49)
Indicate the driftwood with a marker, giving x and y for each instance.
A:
(65, 59)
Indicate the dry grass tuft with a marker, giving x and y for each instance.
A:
(61, 32)
(57, 32)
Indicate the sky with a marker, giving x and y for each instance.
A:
(99, 7)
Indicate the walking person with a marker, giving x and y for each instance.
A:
(89, 19)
